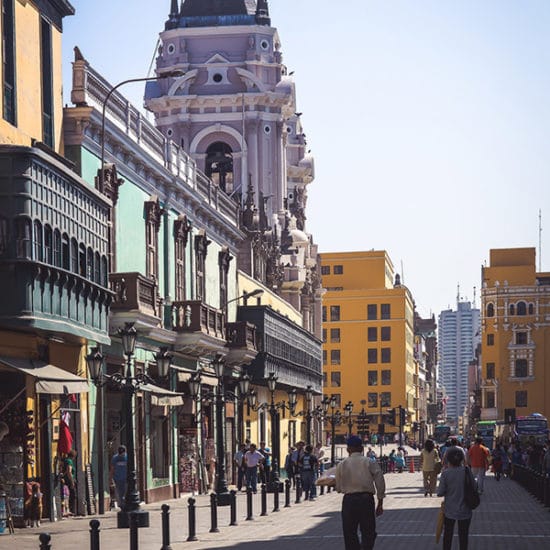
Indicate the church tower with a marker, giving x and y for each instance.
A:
(234, 111)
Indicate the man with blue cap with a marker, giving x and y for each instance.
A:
(359, 478)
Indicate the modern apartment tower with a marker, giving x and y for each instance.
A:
(458, 337)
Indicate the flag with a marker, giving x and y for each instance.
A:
(65, 443)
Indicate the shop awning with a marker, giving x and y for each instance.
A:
(161, 396)
(49, 378)
(183, 375)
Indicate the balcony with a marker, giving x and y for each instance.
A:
(241, 342)
(200, 328)
(136, 300)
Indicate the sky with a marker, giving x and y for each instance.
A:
(429, 121)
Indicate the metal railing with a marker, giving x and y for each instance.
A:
(534, 482)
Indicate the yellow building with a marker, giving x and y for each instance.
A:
(516, 335)
(31, 103)
(368, 338)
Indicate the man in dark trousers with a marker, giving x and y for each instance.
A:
(359, 478)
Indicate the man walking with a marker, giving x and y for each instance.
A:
(119, 475)
(252, 459)
(478, 457)
(359, 478)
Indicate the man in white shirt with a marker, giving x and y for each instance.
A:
(359, 478)
(252, 459)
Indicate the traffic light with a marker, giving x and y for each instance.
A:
(403, 414)
(391, 419)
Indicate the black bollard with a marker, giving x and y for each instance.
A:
(134, 530)
(264, 500)
(233, 508)
(276, 497)
(298, 489)
(192, 520)
(214, 513)
(287, 493)
(249, 516)
(165, 527)
(94, 534)
(45, 541)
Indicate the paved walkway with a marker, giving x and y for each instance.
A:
(508, 519)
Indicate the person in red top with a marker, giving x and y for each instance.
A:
(478, 458)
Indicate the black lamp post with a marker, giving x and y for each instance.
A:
(219, 398)
(348, 411)
(335, 418)
(129, 384)
(308, 413)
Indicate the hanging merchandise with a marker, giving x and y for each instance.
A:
(65, 442)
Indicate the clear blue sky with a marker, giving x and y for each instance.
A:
(429, 121)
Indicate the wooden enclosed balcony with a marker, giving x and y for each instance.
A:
(241, 341)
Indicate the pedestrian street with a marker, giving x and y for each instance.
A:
(507, 519)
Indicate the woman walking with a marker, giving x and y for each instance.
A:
(429, 457)
(451, 486)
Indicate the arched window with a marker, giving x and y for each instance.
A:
(219, 165)
(74, 256)
(512, 309)
(82, 260)
(48, 245)
(97, 269)
(490, 310)
(65, 252)
(104, 271)
(522, 308)
(38, 243)
(57, 248)
(90, 265)
(531, 309)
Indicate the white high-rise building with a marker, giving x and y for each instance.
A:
(459, 334)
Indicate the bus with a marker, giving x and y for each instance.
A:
(531, 429)
(486, 429)
(442, 433)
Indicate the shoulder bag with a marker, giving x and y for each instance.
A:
(471, 496)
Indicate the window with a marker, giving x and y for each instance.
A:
(8, 57)
(338, 270)
(224, 259)
(385, 311)
(74, 256)
(153, 213)
(490, 310)
(531, 309)
(23, 238)
(65, 252)
(521, 338)
(324, 357)
(47, 78)
(385, 334)
(372, 312)
(324, 312)
(335, 357)
(521, 308)
(373, 378)
(490, 339)
(324, 335)
(372, 400)
(334, 335)
(386, 378)
(82, 260)
(521, 398)
(385, 399)
(48, 245)
(37, 242)
(372, 334)
(324, 380)
(57, 248)
(201, 249)
(372, 355)
(490, 400)
(520, 370)
(334, 313)
(325, 270)
(490, 371)
(219, 165)
(512, 309)
(182, 227)
(89, 264)
(386, 355)
(335, 381)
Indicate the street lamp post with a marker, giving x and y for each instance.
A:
(348, 411)
(129, 384)
(308, 413)
(219, 398)
(335, 418)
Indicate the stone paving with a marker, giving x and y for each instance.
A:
(508, 518)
